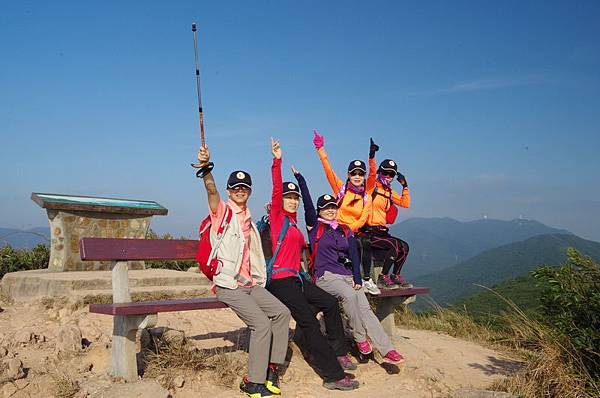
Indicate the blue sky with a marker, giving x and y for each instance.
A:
(489, 108)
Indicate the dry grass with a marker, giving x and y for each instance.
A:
(169, 359)
(64, 385)
(551, 365)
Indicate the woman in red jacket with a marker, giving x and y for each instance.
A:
(329, 354)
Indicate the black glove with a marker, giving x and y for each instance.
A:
(373, 147)
(402, 180)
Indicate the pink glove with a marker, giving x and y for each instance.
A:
(318, 140)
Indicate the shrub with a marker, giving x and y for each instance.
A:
(571, 305)
(12, 260)
(177, 265)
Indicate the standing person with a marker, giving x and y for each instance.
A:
(392, 250)
(334, 251)
(330, 355)
(354, 202)
(240, 282)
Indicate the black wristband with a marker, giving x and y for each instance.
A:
(204, 170)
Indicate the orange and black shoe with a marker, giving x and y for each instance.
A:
(254, 390)
(272, 382)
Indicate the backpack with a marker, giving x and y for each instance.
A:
(264, 229)
(313, 254)
(211, 266)
(392, 211)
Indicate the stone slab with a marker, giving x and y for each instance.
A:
(35, 284)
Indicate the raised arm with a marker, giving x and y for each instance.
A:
(209, 182)
(332, 178)
(372, 176)
(404, 199)
(277, 194)
(310, 214)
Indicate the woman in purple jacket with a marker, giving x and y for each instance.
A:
(337, 269)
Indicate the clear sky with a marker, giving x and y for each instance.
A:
(489, 108)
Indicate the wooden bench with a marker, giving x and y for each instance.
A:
(130, 316)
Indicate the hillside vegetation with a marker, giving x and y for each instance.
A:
(438, 243)
(502, 263)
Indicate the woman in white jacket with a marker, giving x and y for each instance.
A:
(240, 282)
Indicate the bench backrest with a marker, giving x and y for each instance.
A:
(108, 249)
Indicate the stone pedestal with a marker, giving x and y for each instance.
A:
(74, 217)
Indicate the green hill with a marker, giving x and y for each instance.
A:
(438, 243)
(524, 291)
(501, 264)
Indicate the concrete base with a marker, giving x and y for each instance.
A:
(162, 283)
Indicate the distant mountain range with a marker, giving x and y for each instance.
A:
(24, 239)
(438, 243)
(501, 264)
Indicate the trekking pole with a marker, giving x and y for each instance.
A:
(198, 166)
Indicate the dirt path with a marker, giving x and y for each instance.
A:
(45, 340)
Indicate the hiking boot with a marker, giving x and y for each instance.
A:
(371, 287)
(393, 356)
(272, 382)
(254, 390)
(385, 282)
(364, 347)
(400, 281)
(346, 363)
(345, 384)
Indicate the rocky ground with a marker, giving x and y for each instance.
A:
(56, 349)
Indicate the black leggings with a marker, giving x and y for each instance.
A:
(299, 297)
(382, 246)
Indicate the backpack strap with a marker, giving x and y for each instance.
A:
(313, 254)
(284, 229)
(225, 221)
(388, 197)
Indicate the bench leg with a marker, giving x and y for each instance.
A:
(124, 363)
(385, 311)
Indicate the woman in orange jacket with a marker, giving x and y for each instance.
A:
(377, 240)
(354, 202)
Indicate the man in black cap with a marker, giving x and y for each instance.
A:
(240, 281)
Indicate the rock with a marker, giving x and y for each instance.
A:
(475, 393)
(69, 338)
(9, 390)
(21, 383)
(178, 381)
(14, 369)
(86, 367)
(195, 270)
(23, 336)
(145, 339)
(3, 352)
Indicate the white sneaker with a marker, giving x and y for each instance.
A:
(370, 287)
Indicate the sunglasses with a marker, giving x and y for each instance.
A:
(240, 189)
(358, 173)
(388, 173)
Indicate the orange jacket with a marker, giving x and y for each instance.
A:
(380, 204)
(353, 210)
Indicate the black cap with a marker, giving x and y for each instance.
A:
(239, 178)
(326, 200)
(357, 165)
(291, 187)
(388, 165)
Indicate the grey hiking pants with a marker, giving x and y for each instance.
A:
(269, 322)
(356, 307)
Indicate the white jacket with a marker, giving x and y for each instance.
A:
(230, 252)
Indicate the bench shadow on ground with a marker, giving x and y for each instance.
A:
(238, 337)
(498, 366)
